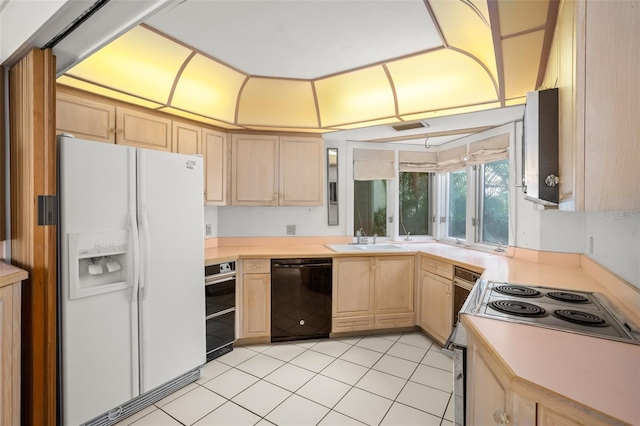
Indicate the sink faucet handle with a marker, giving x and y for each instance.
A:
(407, 237)
(374, 238)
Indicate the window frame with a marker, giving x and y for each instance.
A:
(478, 171)
(432, 209)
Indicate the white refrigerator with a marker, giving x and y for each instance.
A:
(131, 287)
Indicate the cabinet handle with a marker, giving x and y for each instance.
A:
(501, 418)
(275, 195)
(373, 267)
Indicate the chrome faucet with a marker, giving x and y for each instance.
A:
(407, 237)
(359, 233)
(374, 238)
(499, 249)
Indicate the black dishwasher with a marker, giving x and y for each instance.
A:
(300, 299)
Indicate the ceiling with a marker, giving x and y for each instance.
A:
(325, 66)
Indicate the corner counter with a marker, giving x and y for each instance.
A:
(593, 377)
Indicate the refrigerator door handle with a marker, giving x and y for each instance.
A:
(147, 256)
(136, 257)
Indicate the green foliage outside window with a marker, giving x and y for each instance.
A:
(415, 197)
(457, 204)
(495, 214)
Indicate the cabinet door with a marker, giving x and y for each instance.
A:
(256, 305)
(611, 106)
(436, 305)
(10, 297)
(142, 130)
(393, 284)
(186, 139)
(85, 119)
(486, 396)
(301, 172)
(254, 170)
(353, 286)
(215, 167)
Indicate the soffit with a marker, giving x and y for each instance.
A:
(329, 65)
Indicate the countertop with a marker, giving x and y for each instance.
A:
(605, 375)
(10, 274)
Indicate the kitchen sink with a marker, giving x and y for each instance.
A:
(342, 248)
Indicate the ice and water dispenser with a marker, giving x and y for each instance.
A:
(99, 262)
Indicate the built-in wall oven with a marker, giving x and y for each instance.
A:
(220, 316)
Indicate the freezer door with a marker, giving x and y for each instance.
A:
(172, 307)
(98, 315)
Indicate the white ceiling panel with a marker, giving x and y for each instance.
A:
(300, 39)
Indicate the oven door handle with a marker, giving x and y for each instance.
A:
(217, 314)
(449, 342)
(217, 279)
(463, 283)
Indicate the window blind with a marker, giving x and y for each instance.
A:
(373, 164)
(488, 150)
(452, 159)
(412, 161)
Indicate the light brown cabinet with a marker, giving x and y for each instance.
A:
(495, 396)
(10, 308)
(594, 64)
(85, 119)
(436, 300)
(216, 167)
(372, 292)
(436, 306)
(270, 170)
(256, 298)
(142, 130)
(186, 138)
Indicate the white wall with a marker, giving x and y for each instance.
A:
(234, 221)
(21, 19)
(616, 242)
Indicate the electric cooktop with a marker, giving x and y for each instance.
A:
(580, 312)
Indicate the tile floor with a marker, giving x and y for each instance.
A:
(391, 379)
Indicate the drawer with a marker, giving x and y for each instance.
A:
(437, 267)
(352, 323)
(256, 266)
(395, 320)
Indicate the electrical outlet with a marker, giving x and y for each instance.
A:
(207, 229)
(291, 230)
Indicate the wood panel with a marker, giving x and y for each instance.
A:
(393, 285)
(256, 306)
(301, 171)
(186, 138)
(358, 323)
(33, 248)
(436, 306)
(10, 338)
(3, 220)
(353, 279)
(485, 394)
(611, 108)
(85, 119)
(216, 167)
(142, 130)
(255, 170)
(394, 320)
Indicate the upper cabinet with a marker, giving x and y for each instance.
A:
(276, 170)
(85, 119)
(187, 138)
(301, 173)
(142, 130)
(216, 160)
(594, 63)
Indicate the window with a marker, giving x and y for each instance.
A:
(370, 207)
(493, 202)
(416, 203)
(457, 204)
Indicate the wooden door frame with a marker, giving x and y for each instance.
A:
(33, 247)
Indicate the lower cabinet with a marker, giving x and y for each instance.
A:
(256, 299)
(436, 305)
(372, 292)
(496, 397)
(10, 308)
